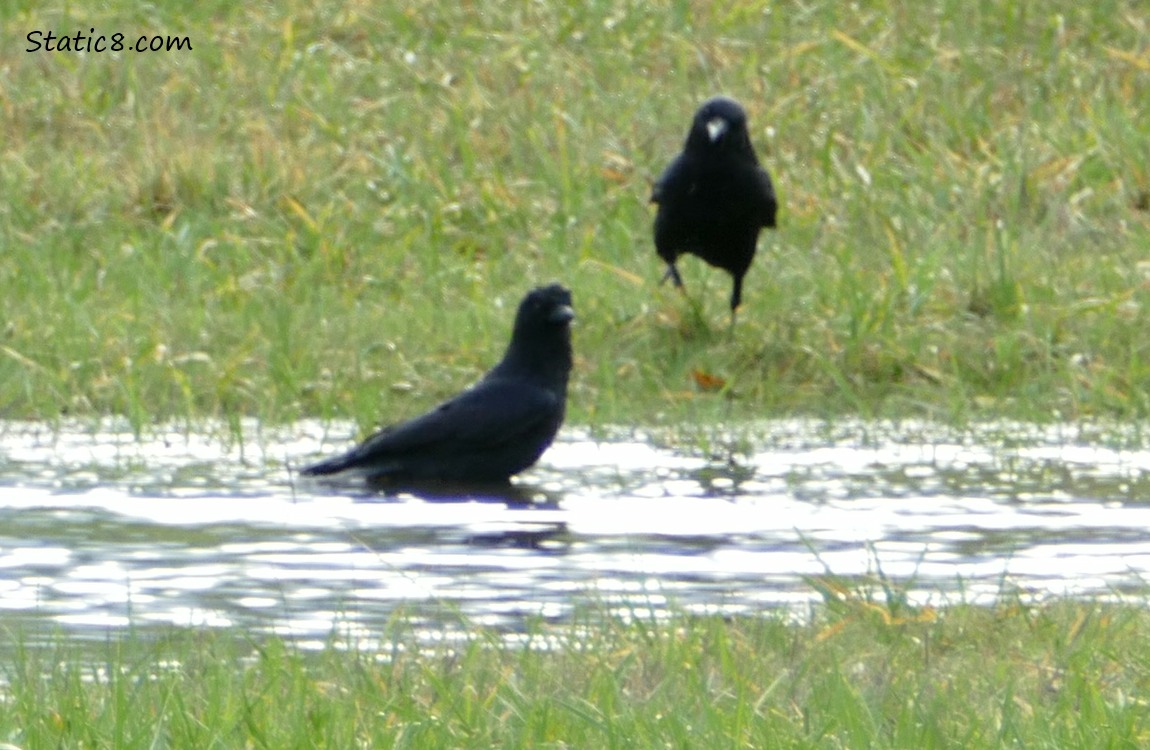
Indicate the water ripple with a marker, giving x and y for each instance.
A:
(102, 528)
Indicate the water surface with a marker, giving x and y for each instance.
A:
(101, 529)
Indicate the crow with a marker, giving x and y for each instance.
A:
(496, 428)
(714, 198)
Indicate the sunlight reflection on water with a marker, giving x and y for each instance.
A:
(101, 529)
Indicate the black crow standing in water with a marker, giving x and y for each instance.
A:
(714, 197)
(494, 429)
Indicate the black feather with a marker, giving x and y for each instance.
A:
(493, 430)
(715, 197)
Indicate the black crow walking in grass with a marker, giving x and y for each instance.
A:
(714, 197)
(496, 428)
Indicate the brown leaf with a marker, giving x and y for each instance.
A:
(705, 381)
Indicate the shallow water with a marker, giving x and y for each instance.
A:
(101, 530)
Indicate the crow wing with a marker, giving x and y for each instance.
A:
(492, 413)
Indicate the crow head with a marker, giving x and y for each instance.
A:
(720, 125)
(541, 340)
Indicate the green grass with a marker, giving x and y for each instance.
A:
(859, 675)
(332, 209)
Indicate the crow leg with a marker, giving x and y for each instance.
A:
(736, 295)
(736, 302)
(673, 275)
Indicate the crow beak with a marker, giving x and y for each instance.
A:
(716, 126)
(562, 314)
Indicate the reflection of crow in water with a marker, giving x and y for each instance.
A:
(513, 495)
(547, 537)
(498, 427)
